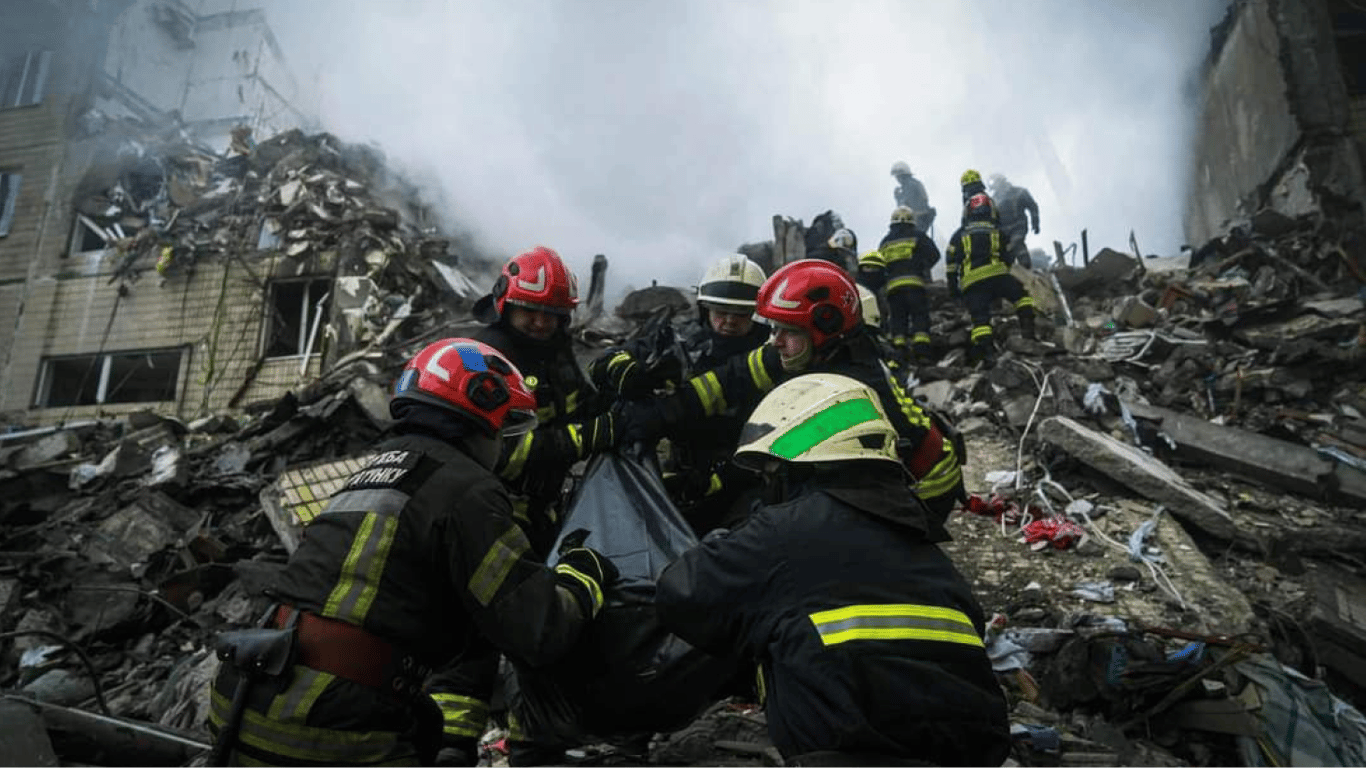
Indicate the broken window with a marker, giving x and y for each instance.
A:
(9, 195)
(139, 376)
(87, 236)
(296, 308)
(23, 79)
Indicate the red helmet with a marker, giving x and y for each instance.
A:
(537, 279)
(813, 295)
(472, 378)
(979, 208)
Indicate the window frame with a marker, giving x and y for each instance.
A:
(33, 67)
(106, 361)
(308, 310)
(11, 183)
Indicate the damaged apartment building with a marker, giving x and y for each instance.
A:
(1283, 128)
(116, 128)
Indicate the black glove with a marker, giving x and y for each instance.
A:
(641, 421)
(1036, 226)
(593, 436)
(586, 573)
(619, 372)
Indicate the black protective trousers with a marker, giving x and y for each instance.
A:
(910, 306)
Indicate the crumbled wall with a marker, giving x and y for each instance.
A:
(1275, 129)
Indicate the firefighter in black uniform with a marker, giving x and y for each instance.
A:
(698, 471)
(908, 255)
(1019, 213)
(415, 562)
(910, 192)
(815, 311)
(868, 641)
(527, 315)
(979, 271)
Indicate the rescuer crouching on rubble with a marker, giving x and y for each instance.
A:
(414, 563)
(526, 316)
(868, 641)
(814, 309)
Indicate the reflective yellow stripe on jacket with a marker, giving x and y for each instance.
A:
(895, 621)
(993, 267)
(462, 716)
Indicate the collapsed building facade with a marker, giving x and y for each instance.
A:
(153, 255)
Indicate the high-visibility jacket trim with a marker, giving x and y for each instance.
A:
(895, 622)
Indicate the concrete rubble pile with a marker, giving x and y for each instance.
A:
(127, 543)
(1181, 462)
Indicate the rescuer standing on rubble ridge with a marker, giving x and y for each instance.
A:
(910, 192)
(815, 312)
(527, 315)
(979, 272)
(908, 254)
(698, 472)
(414, 562)
(868, 641)
(1013, 203)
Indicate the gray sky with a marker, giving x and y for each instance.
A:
(664, 133)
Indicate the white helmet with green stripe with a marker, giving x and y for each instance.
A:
(818, 417)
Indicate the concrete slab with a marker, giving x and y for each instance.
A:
(1265, 459)
(23, 737)
(45, 449)
(1142, 473)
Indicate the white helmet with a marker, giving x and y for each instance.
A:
(843, 240)
(996, 182)
(903, 214)
(817, 417)
(733, 280)
(872, 314)
(900, 169)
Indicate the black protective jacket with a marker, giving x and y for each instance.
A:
(868, 640)
(910, 192)
(420, 550)
(564, 399)
(742, 382)
(405, 551)
(908, 254)
(1012, 204)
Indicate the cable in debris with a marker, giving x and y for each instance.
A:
(1019, 451)
(89, 666)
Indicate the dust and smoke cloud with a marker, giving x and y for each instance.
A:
(665, 134)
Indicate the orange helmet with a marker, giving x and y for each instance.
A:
(813, 295)
(537, 279)
(472, 379)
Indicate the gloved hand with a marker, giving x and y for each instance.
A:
(640, 421)
(619, 372)
(1036, 227)
(586, 573)
(954, 292)
(594, 436)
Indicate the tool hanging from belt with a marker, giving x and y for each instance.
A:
(257, 654)
(287, 636)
